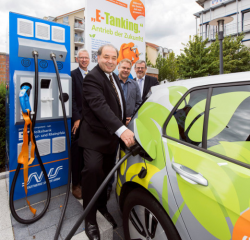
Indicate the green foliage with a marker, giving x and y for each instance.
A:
(172, 67)
(161, 65)
(236, 56)
(2, 123)
(168, 67)
(194, 61)
(197, 60)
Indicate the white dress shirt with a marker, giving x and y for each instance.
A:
(142, 84)
(84, 73)
(120, 131)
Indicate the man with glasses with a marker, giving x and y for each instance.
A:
(145, 82)
(77, 94)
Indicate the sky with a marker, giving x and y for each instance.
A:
(169, 23)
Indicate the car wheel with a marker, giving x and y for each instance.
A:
(145, 219)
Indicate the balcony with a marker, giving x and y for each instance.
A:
(229, 29)
(79, 26)
(79, 40)
(165, 50)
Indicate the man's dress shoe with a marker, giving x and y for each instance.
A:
(77, 191)
(109, 217)
(92, 231)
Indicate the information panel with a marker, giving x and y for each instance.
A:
(121, 23)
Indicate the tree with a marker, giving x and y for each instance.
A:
(172, 67)
(168, 67)
(194, 61)
(161, 65)
(236, 56)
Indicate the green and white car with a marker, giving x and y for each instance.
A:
(196, 134)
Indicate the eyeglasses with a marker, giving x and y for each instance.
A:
(83, 58)
(140, 68)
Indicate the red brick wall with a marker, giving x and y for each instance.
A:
(4, 68)
(153, 75)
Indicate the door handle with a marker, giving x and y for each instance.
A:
(189, 174)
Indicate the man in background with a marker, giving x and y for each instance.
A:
(144, 81)
(77, 93)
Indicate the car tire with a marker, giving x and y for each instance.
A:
(144, 218)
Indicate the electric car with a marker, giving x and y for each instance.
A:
(191, 179)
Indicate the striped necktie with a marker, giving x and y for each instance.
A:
(113, 85)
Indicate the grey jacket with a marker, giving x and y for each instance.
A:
(133, 98)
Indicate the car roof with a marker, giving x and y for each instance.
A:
(201, 81)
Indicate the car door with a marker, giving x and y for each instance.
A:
(207, 150)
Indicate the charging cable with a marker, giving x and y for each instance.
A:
(12, 190)
(134, 150)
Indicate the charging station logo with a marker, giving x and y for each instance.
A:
(38, 178)
(43, 64)
(25, 62)
(59, 65)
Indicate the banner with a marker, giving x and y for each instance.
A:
(216, 2)
(121, 23)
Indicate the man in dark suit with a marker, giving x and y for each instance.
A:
(103, 123)
(145, 82)
(77, 80)
(132, 97)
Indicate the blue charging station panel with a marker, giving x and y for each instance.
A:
(49, 133)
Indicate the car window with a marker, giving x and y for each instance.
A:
(229, 122)
(186, 124)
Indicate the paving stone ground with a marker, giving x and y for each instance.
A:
(45, 228)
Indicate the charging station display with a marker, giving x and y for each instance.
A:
(27, 34)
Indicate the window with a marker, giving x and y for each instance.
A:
(186, 124)
(207, 27)
(66, 20)
(246, 21)
(229, 122)
(228, 127)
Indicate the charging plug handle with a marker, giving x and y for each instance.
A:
(135, 150)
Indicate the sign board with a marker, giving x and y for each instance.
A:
(121, 23)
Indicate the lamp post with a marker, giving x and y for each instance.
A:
(220, 22)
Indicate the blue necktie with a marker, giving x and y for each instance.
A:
(140, 84)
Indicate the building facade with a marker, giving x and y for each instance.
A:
(153, 50)
(4, 68)
(76, 22)
(239, 10)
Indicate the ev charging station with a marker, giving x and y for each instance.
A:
(28, 34)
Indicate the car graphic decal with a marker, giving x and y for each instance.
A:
(231, 203)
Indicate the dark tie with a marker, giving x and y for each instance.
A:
(113, 85)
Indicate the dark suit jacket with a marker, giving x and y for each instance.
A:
(77, 81)
(101, 113)
(149, 82)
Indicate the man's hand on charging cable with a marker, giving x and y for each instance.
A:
(128, 138)
(76, 125)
